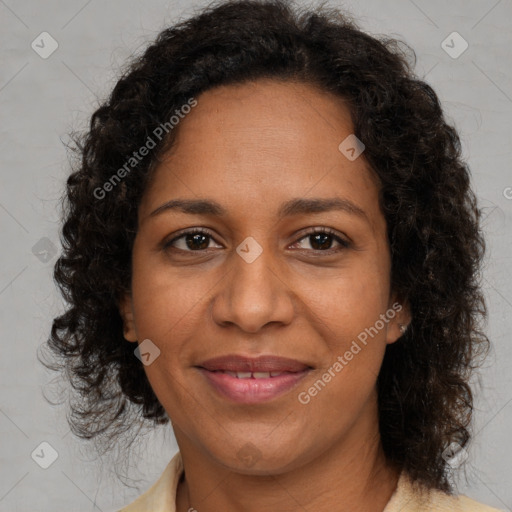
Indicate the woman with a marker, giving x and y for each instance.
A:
(271, 241)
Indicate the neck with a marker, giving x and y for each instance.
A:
(352, 475)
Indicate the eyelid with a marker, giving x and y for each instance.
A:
(343, 240)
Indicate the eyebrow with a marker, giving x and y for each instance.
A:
(295, 206)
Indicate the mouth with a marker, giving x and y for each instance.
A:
(252, 380)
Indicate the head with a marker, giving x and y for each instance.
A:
(259, 126)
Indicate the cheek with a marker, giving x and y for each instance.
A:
(166, 313)
(169, 308)
(349, 303)
(164, 298)
(354, 334)
(348, 319)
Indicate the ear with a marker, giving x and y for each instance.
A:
(400, 321)
(126, 311)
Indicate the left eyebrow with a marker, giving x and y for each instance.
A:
(295, 206)
(319, 205)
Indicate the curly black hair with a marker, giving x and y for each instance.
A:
(433, 222)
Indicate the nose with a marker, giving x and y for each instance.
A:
(252, 295)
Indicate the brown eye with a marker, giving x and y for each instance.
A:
(321, 239)
(193, 240)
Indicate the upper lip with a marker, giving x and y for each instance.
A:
(268, 363)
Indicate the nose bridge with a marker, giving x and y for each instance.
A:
(252, 294)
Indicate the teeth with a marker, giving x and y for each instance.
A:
(254, 375)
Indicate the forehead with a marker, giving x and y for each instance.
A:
(269, 140)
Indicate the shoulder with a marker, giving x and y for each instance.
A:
(411, 497)
(459, 503)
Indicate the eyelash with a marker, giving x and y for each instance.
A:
(327, 231)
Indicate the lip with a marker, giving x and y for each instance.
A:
(253, 390)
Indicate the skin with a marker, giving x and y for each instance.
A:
(252, 147)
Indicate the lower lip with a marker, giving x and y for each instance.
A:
(252, 391)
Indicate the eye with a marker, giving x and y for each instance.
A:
(194, 240)
(198, 240)
(321, 240)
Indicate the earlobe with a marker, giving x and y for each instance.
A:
(126, 311)
(400, 322)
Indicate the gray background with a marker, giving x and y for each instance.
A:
(41, 100)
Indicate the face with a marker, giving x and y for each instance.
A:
(305, 282)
